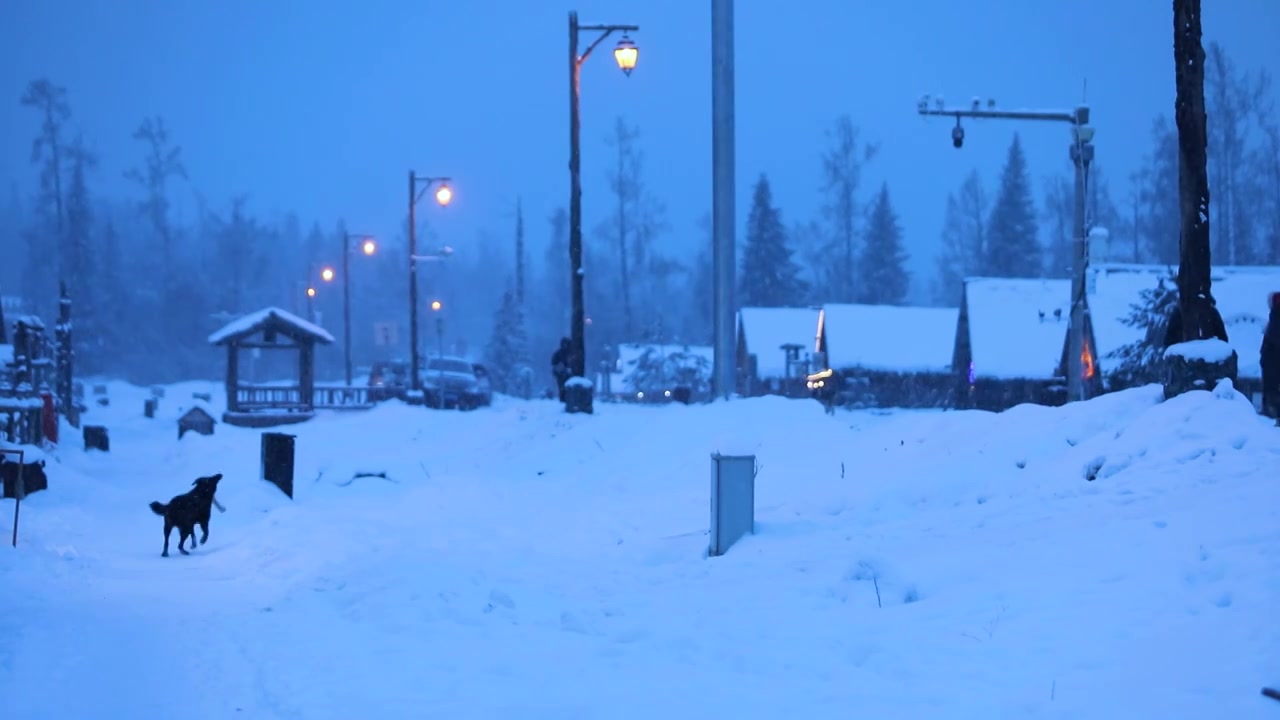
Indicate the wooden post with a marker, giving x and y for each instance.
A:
(233, 375)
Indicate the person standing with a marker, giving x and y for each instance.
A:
(560, 365)
(1270, 362)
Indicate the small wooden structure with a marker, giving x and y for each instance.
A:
(267, 406)
(196, 419)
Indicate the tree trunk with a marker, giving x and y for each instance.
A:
(1200, 319)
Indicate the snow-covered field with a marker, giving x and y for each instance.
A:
(521, 563)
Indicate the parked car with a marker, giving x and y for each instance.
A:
(452, 382)
(388, 379)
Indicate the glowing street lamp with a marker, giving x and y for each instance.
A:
(311, 292)
(444, 195)
(327, 274)
(435, 306)
(625, 54)
(368, 247)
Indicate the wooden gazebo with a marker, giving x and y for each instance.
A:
(268, 405)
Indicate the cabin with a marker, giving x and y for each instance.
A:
(889, 355)
(27, 379)
(271, 329)
(1011, 343)
(645, 372)
(775, 350)
(1242, 294)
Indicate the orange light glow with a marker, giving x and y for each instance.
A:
(626, 55)
(1086, 362)
(327, 274)
(435, 305)
(444, 195)
(311, 292)
(368, 247)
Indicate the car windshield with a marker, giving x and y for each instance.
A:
(449, 365)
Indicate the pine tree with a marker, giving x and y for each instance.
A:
(1013, 248)
(884, 278)
(1142, 361)
(770, 277)
(508, 352)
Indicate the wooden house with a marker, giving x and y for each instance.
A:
(775, 350)
(889, 355)
(1011, 343)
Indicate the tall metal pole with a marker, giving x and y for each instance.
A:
(1081, 157)
(577, 321)
(415, 382)
(722, 197)
(346, 303)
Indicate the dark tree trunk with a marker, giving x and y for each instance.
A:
(1200, 319)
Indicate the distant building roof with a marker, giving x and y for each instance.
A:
(889, 337)
(1017, 327)
(265, 319)
(766, 330)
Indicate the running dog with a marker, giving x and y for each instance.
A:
(188, 510)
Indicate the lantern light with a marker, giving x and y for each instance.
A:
(444, 195)
(626, 54)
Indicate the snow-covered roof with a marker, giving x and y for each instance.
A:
(889, 337)
(1241, 292)
(766, 330)
(1017, 327)
(31, 321)
(630, 353)
(253, 322)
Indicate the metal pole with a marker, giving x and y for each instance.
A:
(577, 322)
(1081, 155)
(440, 346)
(415, 382)
(346, 304)
(723, 196)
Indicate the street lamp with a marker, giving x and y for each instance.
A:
(1079, 358)
(327, 274)
(625, 54)
(368, 247)
(444, 195)
(436, 307)
(311, 304)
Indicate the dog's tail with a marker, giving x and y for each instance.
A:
(158, 508)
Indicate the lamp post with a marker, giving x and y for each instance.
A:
(1081, 151)
(368, 247)
(311, 304)
(625, 54)
(444, 196)
(436, 307)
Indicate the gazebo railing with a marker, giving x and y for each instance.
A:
(289, 397)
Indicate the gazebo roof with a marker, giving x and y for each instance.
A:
(272, 318)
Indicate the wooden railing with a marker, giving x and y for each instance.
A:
(342, 397)
(289, 397)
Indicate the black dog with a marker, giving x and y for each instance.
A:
(188, 510)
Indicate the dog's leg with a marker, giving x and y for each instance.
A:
(183, 535)
(168, 528)
(204, 531)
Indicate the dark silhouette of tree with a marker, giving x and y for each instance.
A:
(770, 278)
(1013, 244)
(884, 280)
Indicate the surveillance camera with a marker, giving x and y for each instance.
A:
(957, 136)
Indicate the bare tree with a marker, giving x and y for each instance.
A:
(520, 259)
(161, 163)
(626, 185)
(964, 240)
(47, 148)
(842, 165)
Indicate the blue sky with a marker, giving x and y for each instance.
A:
(322, 107)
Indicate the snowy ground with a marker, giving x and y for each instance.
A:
(520, 563)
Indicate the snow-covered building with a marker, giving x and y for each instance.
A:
(775, 349)
(1011, 343)
(642, 372)
(889, 355)
(1242, 294)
